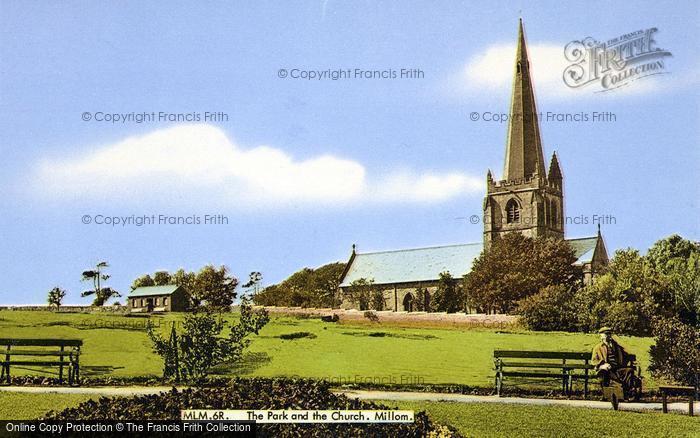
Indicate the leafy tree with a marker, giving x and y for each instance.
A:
(360, 292)
(162, 278)
(676, 353)
(326, 282)
(447, 297)
(253, 284)
(552, 308)
(378, 301)
(55, 297)
(516, 267)
(214, 286)
(625, 298)
(420, 299)
(672, 247)
(183, 278)
(190, 355)
(677, 262)
(305, 288)
(143, 281)
(97, 276)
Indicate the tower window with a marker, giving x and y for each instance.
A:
(518, 67)
(512, 212)
(555, 216)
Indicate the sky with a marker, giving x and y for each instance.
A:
(270, 165)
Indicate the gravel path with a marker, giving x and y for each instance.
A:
(462, 398)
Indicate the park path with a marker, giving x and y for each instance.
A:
(463, 398)
(126, 391)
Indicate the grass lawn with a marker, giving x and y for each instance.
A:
(24, 406)
(504, 420)
(337, 352)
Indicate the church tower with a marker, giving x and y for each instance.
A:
(528, 199)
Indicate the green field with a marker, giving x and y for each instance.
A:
(341, 353)
(509, 420)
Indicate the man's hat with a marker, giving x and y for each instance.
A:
(605, 330)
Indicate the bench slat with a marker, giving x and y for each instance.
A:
(552, 365)
(39, 363)
(35, 353)
(542, 354)
(531, 374)
(27, 342)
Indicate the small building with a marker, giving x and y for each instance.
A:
(170, 298)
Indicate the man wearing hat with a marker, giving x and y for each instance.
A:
(611, 361)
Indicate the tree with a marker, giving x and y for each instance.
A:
(447, 296)
(326, 284)
(378, 302)
(552, 308)
(191, 354)
(420, 300)
(216, 287)
(676, 353)
(677, 262)
(143, 281)
(305, 288)
(55, 297)
(102, 293)
(360, 292)
(516, 267)
(162, 278)
(253, 284)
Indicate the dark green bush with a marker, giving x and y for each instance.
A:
(254, 394)
(676, 354)
(552, 308)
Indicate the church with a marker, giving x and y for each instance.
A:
(529, 199)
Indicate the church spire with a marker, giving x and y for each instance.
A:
(524, 155)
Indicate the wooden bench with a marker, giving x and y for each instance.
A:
(565, 366)
(62, 353)
(688, 391)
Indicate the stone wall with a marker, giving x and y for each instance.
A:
(68, 308)
(403, 318)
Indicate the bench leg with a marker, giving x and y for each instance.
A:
(691, 400)
(664, 405)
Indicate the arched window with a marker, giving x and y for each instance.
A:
(512, 212)
(555, 216)
(408, 303)
(518, 67)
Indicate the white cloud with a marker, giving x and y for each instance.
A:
(199, 163)
(491, 70)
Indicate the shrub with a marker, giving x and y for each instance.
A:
(552, 308)
(254, 394)
(190, 355)
(297, 335)
(676, 354)
(371, 316)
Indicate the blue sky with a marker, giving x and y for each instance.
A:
(303, 169)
